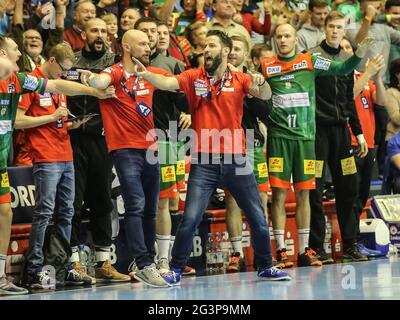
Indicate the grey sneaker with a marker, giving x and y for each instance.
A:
(163, 266)
(7, 288)
(150, 276)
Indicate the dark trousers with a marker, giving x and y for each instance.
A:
(92, 186)
(140, 188)
(238, 177)
(364, 167)
(332, 146)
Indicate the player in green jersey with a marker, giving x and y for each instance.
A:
(12, 86)
(291, 132)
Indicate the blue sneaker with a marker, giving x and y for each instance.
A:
(273, 274)
(368, 252)
(173, 277)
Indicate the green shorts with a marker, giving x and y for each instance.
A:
(5, 195)
(260, 167)
(168, 157)
(291, 158)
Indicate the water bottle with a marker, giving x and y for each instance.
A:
(219, 254)
(209, 254)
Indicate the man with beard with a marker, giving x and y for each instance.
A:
(215, 94)
(167, 107)
(14, 85)
(83, 12)
(129, 129)
(91, 161)
(291, 132)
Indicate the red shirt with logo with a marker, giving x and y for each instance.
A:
(128, 119)
(216, 109)
(49, 142)
(365, 112)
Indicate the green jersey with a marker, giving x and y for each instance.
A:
(292, 81)
(10, 93)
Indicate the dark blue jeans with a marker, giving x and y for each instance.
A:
(238, 177)
(55, 186)
(140, 188)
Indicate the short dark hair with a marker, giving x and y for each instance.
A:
(317, 4)
(394, 69)
(257, 49)
(145, 20)
(392, 3)
(223, 38)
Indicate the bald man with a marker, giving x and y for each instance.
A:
(129, 130)
(91, 161)
(291, 133)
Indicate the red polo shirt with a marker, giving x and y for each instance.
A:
(216, 108)
(49, 142)
(365, 112)
(128, 122)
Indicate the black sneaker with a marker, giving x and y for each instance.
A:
(353, 254)
(323, 256)
(73, 278)
(42, 281)
(308, 258)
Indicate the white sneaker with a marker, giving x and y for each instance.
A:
(150, 276)
(163, 266)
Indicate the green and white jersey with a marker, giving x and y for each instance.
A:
(292, 81)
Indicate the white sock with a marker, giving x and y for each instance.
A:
(303, 235)
(171, 244)
(102, 253)
(237, 245)
(280, 239)
(75, 255)
(3, 258)
(163, 245)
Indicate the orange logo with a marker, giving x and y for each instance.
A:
(275, 164)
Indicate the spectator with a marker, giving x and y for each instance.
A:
(391, 181)
(385, 35)
(83, 11)
(239, 55)
(128, 19)
(311, 35)
(224, 11)
(250, 21)
(392, 9)
(197, 38)
(109, 6)
(393, 100)
(111, 21)
(192, 12)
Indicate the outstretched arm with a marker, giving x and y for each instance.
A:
(159, 81)
(90, 79)
(70, 88)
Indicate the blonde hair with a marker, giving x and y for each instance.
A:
(110, 18)
(62, 52)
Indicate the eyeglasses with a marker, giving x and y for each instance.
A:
(64, 70)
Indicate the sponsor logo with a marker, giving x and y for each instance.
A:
(322, 64)
(287, 77)
(168, 174)
(4, 180)
(291, 100)
(30, 83)
(348, 166)
(274, 69)
(108, 70)
(224, 89)
(262, 170)
(5, 126)
(5, 102)
(11, 88)
(309, 167)
(200, 84)
(301, 65)
(275, 164)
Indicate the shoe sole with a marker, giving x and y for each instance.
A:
(151, 284)
(329, 261)
(286, 278)
(354, 260)
(10, 293)
(99, 280)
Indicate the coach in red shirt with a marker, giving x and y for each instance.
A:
(129, 130)
(215, 94)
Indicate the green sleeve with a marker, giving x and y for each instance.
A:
(31, 84)
(326, 67)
